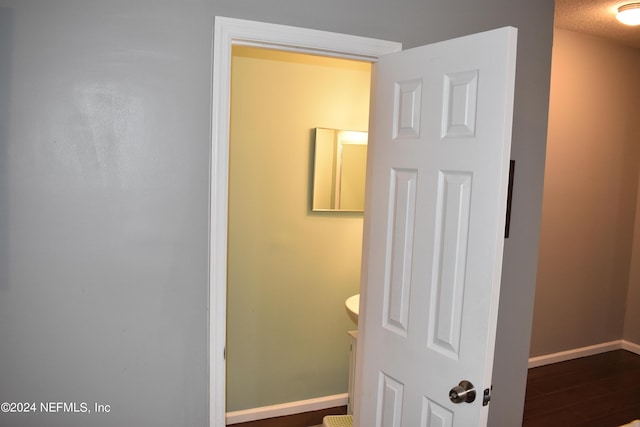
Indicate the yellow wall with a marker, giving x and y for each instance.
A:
(591, 186)
(290, 269)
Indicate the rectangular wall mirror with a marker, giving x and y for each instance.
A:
(340, 164)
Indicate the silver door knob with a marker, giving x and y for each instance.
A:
(463, 392)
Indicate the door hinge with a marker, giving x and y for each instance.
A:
(224, 353)
(486, 396)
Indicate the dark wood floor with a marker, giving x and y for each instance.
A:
(594, 391)
(306, 419)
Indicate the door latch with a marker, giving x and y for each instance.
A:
(486, 396)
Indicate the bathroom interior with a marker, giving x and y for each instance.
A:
(294, 247)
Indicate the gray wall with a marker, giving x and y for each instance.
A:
(105, 131)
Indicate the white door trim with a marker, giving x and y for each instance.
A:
(227, 32)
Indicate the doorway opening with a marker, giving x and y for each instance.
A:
(290, 267)
(453, 151)
(230, 32)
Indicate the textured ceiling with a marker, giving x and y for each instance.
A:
(598, 18)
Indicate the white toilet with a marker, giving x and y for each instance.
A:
(337, 421)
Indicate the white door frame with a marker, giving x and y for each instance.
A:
(228, 32)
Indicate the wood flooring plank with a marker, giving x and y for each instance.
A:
(594, 391)
(298, 420)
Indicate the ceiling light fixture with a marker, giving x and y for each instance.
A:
(629, 14)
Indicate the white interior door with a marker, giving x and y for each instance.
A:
(434, 229)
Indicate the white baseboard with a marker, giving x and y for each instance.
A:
(632, 347)
(576, 353)
(283, 409)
